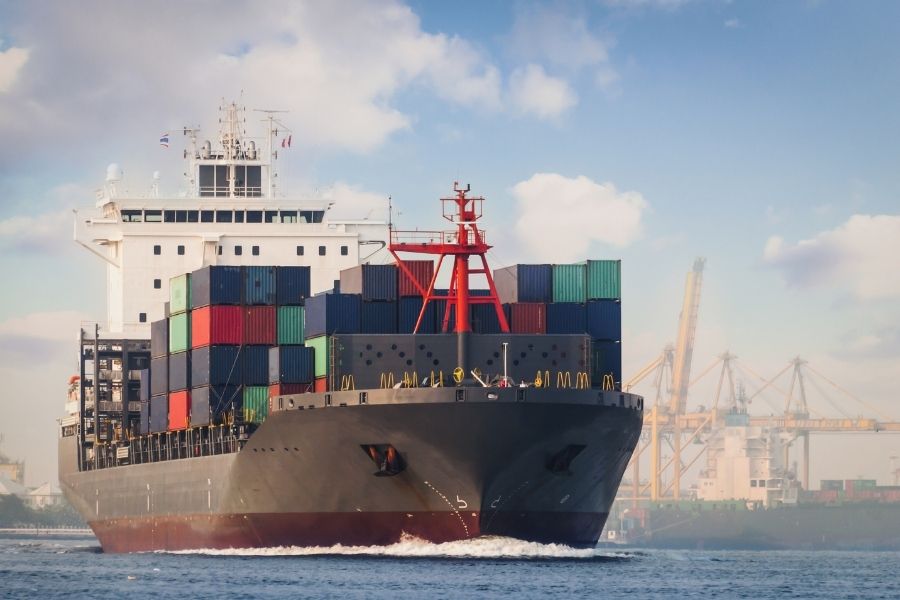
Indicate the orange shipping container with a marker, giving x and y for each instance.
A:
(321, 384)
(214, 325)
(259, 325)
(422, 271)
(179, 409)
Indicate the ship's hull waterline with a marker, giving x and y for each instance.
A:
(543, 467)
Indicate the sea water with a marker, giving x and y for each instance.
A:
(485, 568)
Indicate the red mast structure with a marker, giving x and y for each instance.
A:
(461, 244)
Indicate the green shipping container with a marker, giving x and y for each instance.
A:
(321, 345)
(290, 325)
(569, 283)
(256, 403)
(604, 279)
(179, 293)
(180, 332)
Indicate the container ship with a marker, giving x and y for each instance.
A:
(263, 381)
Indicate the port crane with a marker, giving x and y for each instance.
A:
(669, 424)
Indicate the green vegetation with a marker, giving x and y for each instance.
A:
(15, 513)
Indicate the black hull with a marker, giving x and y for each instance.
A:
(544, 468)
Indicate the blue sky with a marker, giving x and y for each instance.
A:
(762, 136)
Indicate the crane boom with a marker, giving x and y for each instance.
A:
(684, 345)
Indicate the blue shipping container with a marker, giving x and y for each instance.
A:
(216, 365)
(566, 318)
(604, 319)
(145, 386)
(292, 364)
(408, 312)
(328, 314)
(179, 371)
(256, 365)
(159, 376)
(483, 318)
(200, 406)
(374, 282)
(159, 414)
(292, 285)
(378, 317)
(525, 283)
(259, 285)
(145, 417)
(216, 285)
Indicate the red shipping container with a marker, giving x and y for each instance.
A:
(282, 389)
(321, 385)
(213, 325)
(259, 325)
(422, 270)
(527, 317)
(179, 409)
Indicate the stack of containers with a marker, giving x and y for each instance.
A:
(410, 299)
(179, 408)
(291, 291)
(581, 298)
(259, 334)
(217, 334)
(326, 315)
(157, 408)
(377, 288)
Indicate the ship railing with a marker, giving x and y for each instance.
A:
(424, 238)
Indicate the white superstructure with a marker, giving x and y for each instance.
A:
(230, 215)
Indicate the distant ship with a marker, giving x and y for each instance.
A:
(260, 383)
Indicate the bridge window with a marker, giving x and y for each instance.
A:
(345, 250)
(142, 317)
(223, 216)
(238, 216)
(157, 249)
(207, 216)
(132, 216)
(181, 216)
(193, 216)
(238, 250)
(254, 250)
(321, 250)
(180, 250)
(289, 216)
(299, 250)
(254, 216)
(153, 216)
(271, 216)
(169, 216)
(220, 250)
(157, 284)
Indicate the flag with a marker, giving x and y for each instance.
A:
(164, 140)
(286, 142)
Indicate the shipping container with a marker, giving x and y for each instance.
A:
(378, 317)
(179, 409)
(144, 426)
(179, 371)
(285, 389)
(606, 359)
(144, 386)
(373, 282)
(292, 285)
(179, 293)
(422, 272)
(524, 283)
(256, 403)
(159, 376)
(291, 364)
(260, 325)
(483, 318)
(408, 309)
(322, 351)
(221, 400)
(566, 317)
(832, 485)
(290, 325)
(569, 282)
(217, 325)
(332, 313)
(159, 413)
(216, 365)
(527, 317)
(200, 414)
(179, 332)
(604, 319)
(256, 364)
(159, 338)
(259, 285)
(320, 385)
(215, 285)
(604, 279)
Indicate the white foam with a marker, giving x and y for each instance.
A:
(409, 546)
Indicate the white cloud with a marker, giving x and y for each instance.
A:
(48, 233)
(559, 217)
(351, 202)
(53, 326)
(11, 62)
(532, 91)
(658, 4)
(732, 24)
(862, 256)
(337, 66)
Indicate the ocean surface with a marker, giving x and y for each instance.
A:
(35, 567)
